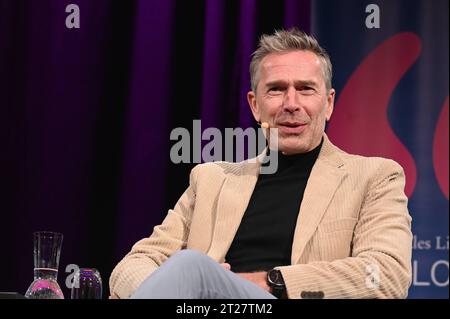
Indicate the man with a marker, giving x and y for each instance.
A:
(327, 224)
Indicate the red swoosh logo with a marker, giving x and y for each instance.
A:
(440, 149)
(360, 123)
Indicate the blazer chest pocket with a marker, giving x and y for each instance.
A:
(335, 238)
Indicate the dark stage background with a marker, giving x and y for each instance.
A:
(86, 114)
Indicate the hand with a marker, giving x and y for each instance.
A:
(258, 278)
(227, 266)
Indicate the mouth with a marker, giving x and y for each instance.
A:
(291, 127)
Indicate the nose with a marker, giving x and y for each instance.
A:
(290, 102)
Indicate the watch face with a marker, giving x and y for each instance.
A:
(275, 277)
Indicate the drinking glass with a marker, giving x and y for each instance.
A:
(87, 284)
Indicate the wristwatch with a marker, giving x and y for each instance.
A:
(276, 282)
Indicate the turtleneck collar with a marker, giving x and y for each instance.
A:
(305, 160)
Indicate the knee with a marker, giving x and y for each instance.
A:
(190, 259)
(189, 256)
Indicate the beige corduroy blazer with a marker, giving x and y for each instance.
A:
(352, 238)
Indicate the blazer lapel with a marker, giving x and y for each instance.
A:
(325, 177)
(232, 203)
(238, 187)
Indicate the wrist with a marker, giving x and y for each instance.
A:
(276, 283)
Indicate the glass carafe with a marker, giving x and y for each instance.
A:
(47, 249)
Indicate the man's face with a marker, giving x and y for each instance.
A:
(291, 96)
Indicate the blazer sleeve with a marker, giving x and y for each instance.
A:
(149, 253)
(380, 261)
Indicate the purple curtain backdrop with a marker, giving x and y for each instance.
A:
(86, 115)
(142, 183)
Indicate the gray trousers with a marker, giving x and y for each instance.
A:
(189, 274)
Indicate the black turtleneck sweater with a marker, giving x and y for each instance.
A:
(264, 238)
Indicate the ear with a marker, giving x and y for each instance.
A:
(330, 104)
(251, 98)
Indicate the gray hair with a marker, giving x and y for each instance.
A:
(285, 41)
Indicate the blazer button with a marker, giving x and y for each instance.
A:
(312, 295)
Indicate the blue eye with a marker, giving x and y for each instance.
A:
(307, 90)
(275, 89)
